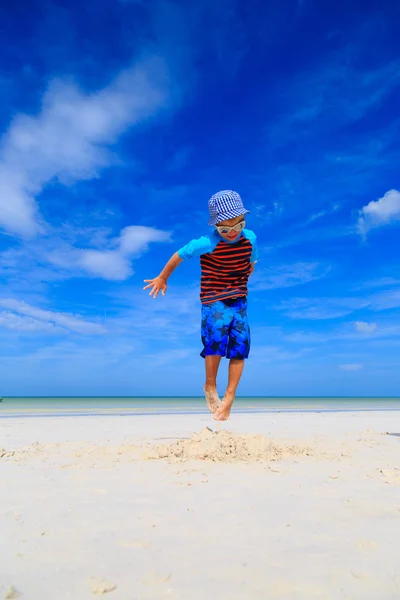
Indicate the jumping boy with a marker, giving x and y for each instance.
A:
(227, 259)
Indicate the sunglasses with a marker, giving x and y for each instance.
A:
(225, 230)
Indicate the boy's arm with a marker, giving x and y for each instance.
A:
(193, 248)
(159, 284)
(250, 235)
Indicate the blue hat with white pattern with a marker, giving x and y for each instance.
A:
(225, 205)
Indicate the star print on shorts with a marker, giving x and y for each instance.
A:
(225, 330)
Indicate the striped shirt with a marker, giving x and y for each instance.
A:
(225, 266)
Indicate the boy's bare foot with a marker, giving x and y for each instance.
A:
(224, 411)
(222, 414)
(212, 399)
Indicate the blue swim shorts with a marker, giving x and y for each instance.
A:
(225, 330)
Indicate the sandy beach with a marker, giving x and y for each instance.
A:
(105, 506)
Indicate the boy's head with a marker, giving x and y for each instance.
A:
(227, 211)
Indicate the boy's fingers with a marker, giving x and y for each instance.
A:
(155, 288)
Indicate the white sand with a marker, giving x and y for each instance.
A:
(82, 514)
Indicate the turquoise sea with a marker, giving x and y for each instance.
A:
(12, 407)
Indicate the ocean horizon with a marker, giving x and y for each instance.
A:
(31, 406)
(188, 396)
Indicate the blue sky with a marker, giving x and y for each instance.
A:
(119, 119)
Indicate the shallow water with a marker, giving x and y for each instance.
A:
(136, 406)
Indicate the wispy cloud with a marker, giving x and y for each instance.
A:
(316, 309)
(336, 91)
(365, 153)
(351, 367)
(347, 333)
(336, 307)
(263, 212)
(272, 354)
(379, 282)
(319, 215)
(317, 187)
(380, 212)
(333, 93)
(173, 317)
(165, 358)
(22, 323)
(70, 139)
(25, 317)
(385, 300)
(284, 276)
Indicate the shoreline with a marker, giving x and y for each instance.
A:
(136, 412)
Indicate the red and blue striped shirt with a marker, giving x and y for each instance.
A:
(225, 266)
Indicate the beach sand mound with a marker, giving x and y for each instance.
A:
(226, 446)
(35, 449)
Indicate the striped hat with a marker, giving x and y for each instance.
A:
(225, 205)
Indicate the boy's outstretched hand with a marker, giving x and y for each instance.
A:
(157, 285)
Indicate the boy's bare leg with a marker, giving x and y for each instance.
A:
(235, 372)
(210, 387)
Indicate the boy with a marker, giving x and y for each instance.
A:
(227, 258)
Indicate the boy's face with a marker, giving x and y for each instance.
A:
(231, 223)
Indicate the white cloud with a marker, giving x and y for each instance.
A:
(115, 264)
(134, 240)
(380, 212)
(385, 300)
(108, 264)
(343, 333)
(69, 139)
(321, 308)
(380, 282)
(363, 327)
(332, 308)
(16, 322)
(39, 318)
(351, 368)
(58, 259)
(285, 276)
